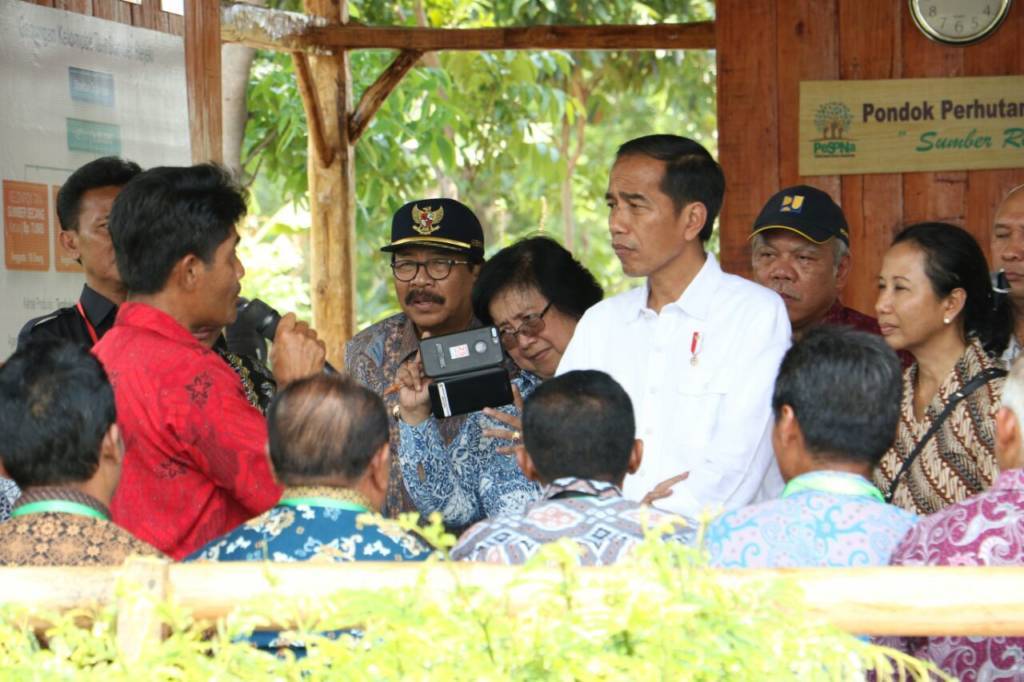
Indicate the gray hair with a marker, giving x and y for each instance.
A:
(840, 250)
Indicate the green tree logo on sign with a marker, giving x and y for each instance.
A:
(832, 120)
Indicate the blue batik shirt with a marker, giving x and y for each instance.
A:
(316, 523)
(824, 518)
(466, 480)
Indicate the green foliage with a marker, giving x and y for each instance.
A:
(663, 615)
(498, 130)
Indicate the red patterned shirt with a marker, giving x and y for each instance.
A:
(848, 317)
(195, 464)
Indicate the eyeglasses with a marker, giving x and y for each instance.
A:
(531, 325)
(437, 268)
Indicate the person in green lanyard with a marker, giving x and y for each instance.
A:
(328, 443)
(60, 443)
(836, 403)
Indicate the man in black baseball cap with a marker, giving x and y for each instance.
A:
(801, 249)
(436, 248)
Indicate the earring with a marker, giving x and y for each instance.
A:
(946, 320)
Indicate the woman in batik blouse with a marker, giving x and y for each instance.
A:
(534, 292)
(935, 300)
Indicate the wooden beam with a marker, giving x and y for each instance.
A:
(332, 194)
(375, 95)
(267, 29)
(203, 80)
(695, 36)
(314, 112)
(288, 31)
(909, 601)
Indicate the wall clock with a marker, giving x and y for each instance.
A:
(958, 22)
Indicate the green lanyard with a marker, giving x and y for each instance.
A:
(321, 502)
(64, 506)
(833, 484)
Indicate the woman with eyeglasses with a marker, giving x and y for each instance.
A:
(534, 292)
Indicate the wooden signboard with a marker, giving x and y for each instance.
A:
(908, 125)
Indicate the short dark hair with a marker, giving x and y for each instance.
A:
(325, 425)
(56, 405)
(691, 173)
(579, 424)
(108, 171)
(844, 387)
(954, 260)
(539, 263)
(168, 212)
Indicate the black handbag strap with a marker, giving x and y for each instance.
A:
(979, 380)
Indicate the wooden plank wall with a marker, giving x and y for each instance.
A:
(145, 15)
(766, 47)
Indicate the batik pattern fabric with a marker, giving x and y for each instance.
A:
(195, 463)
(959, 459)
(984, 530)
(605, 526)
(9, 493)
(373, 358)
(317, 532)
(257, 381)
(467, 479)
(58, 538)
(813, 527)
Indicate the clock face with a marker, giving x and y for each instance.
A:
(958, 22)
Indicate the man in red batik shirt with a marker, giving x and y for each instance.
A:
(195, 462)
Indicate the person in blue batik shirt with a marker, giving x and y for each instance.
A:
(328, 441)
(534, 292)
(836, 403)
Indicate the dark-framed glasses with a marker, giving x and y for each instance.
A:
(531, 325)
(437, 268)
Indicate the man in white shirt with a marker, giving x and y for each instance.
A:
(696, 349)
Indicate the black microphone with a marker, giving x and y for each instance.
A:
(259, 316)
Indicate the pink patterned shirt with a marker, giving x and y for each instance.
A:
(984, 530)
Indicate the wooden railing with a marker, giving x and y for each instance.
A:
(873, 601)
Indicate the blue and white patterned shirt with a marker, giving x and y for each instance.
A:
(9, 494)
(466, 480)
(593, 514)
(824, 518)
(316, 524)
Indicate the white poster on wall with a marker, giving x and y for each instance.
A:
(75, 88)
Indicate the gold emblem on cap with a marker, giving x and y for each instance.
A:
(425, 220)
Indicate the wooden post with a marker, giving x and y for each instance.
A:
(332, 190)
(143, 587)
(203, 79)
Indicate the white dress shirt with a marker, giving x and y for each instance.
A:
(700, 374)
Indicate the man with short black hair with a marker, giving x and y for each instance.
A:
(836, 405)
(437, 247)
(83, 207)
(60, 442)
(329, 448)
(579, 442)
(196, 463)
(695, 348)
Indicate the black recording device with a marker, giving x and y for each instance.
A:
(468, 371)
(261, 317)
